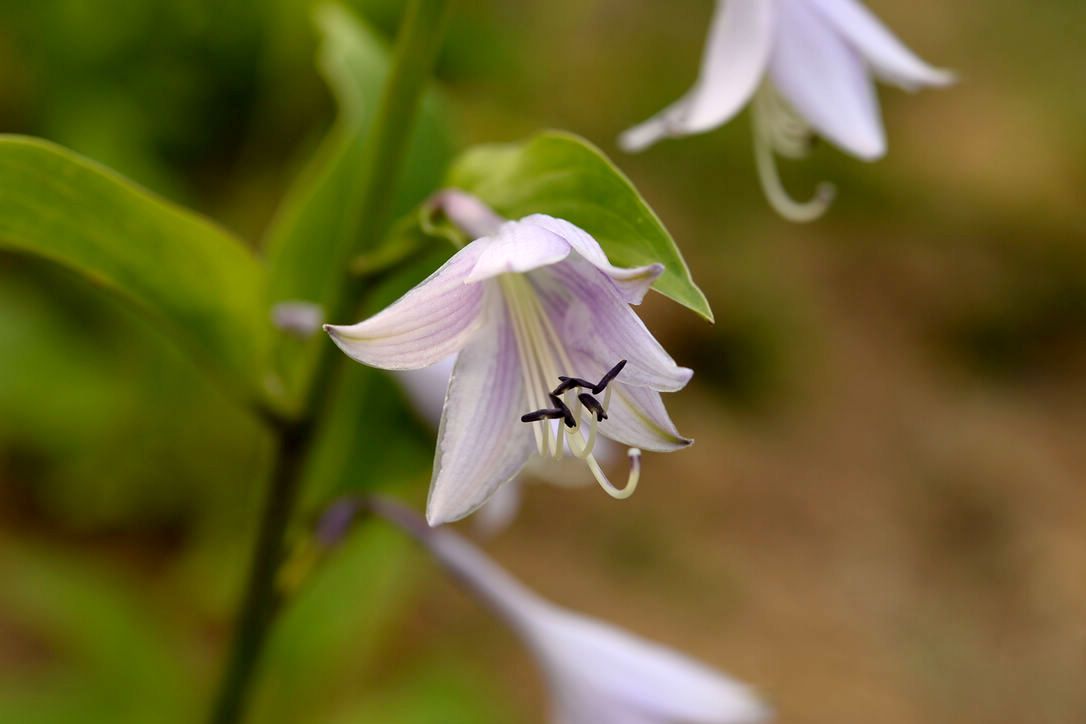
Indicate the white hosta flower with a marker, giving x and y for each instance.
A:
(808, 66)
(526, 303)
(597, 673)
(425, 389)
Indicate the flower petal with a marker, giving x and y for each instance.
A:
(826, 81)
(891, 60)
(517, 247)
(481, 443)
(597, 672)
(637, 418)
(731, 68)
(602, 673)
(594, 321)
(632, 282)
(432, 321)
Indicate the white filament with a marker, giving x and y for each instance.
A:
(542, 354)
(779, 129)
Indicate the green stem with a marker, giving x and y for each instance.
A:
(416, 51)
(261, 599)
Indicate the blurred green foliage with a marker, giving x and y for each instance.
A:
(129, 482)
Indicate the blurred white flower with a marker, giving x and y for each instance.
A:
(530, 305)
(597, 673)
(425, 390)
(808, 66)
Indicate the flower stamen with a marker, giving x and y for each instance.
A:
(593, 406)
(580, 446)
(777, 129)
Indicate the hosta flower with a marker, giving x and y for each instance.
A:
(425, 390)
(544, 330)
(597, 673)
(808, 66)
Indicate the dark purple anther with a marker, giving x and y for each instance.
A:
(606, 379)
(568, 383)
(593, 405)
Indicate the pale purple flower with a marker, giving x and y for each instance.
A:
(597, 673)
(807, 65)
(527, 302)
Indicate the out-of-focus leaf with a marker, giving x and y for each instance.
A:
(316, 231)
(103, 654)
(178, 266)
(565, 176)
(324, 645)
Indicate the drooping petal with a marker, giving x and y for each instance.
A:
(517, 247)
(481, 443)
(888, 57)
(596, 671)
(432, 321)
(826, 81)
(602, 673)
(633, 282)
(637, 417)
(595, 322)
(732, 66)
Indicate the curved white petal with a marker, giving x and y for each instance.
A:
(517, 247)
(637, 418)
(888, 57)
(826, 81)
(602, 673)
(595, 322)
(732, 66)
(432, 321)
(598, 673)
(633, 282)
(481, 443)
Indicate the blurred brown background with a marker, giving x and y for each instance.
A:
(882, 519)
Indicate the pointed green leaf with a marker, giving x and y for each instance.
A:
(565, 176)
(204, 284)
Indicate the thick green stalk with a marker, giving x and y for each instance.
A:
(416, 51)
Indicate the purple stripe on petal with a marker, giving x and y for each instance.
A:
(632, 283)
(518, 248)
(481, 442)
(826, 81)
(594, 320)
(432, 321)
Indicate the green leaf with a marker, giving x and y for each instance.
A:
(565, 176)
(184, 270)
(316, 233)
(333, 631)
